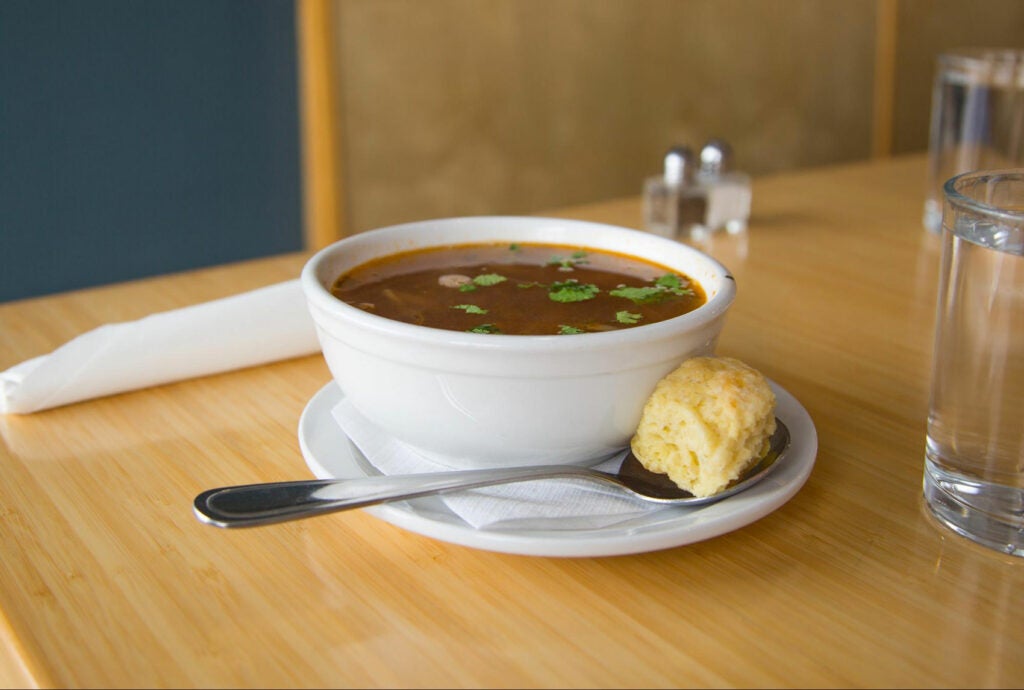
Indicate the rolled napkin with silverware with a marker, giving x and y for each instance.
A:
(251, 328)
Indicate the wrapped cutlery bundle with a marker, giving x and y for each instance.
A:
(264, 325)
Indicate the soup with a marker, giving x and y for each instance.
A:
(519, 289)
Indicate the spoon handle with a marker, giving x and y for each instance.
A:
(249, 505)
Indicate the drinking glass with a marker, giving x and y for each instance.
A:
(977, 119)
(974, 457)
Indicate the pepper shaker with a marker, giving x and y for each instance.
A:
(728, 191)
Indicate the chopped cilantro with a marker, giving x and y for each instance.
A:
(641, 295)
(564, 264)
(674, 284)
(470, 308)
(484, 328)
(627, 317)
(467, 287)
(488, 279)
(664, 286)
(568, 330)
(514, 247)
(572, 291)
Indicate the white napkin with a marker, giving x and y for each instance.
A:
(548, 504)
(243, 330)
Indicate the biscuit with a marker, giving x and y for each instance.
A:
(706, 423)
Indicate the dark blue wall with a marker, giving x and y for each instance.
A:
(140, 137)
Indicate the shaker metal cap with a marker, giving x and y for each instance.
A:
(716, 157)
(679, 164)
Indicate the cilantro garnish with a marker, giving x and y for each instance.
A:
(568, 330)
(488, 279)
(514, 247)
(572, 291)
(664, 286)
(674, 284)
(484, 328)
(567, 264)
(467, 287)
(470, 308)
(627, 317)
(641, 295)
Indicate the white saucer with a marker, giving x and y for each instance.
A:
(329, 454)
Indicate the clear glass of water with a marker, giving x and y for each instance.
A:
(974, 457)
(977, 119)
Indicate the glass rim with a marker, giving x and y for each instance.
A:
(979, 54)
(997, 66)
(953, 186)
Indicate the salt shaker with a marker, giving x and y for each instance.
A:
(674, 204)
(728, 191)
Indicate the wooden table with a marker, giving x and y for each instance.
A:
(107, 579)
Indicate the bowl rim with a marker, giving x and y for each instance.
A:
(319, 297)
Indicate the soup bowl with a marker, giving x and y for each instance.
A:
(471, 400)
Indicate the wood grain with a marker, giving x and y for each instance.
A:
(107, 580)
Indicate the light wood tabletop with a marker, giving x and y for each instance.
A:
(108, 580)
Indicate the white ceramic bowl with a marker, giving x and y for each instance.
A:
(472, 400)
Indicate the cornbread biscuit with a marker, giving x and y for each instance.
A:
(705, 423)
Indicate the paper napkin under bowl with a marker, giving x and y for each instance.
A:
(264, 325)
(546, 504)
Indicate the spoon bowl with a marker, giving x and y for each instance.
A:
(250, 505)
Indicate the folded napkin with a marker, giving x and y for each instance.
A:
(546, 504)
(243, 330)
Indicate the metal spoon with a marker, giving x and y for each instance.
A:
(249, 505)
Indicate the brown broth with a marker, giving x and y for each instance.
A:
(519, 289)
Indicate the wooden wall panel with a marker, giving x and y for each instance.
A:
(455, 107)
